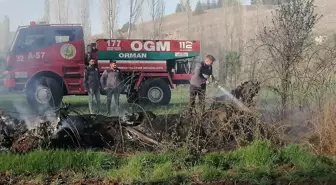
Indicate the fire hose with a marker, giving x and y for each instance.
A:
(233, 98)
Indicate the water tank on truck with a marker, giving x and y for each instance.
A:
(151, 67)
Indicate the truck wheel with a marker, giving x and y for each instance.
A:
(44, 94)
(155, 91)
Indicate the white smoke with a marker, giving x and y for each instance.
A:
(32, 121)
(23, 114)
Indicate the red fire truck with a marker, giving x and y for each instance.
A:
(47, 62)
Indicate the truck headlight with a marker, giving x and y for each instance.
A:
(7, 74)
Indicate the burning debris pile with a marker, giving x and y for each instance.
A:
(10, 130)
(209, 130)
(68, 131)
(225, 124)
(230, 121)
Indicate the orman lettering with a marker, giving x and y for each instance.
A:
(132, 55)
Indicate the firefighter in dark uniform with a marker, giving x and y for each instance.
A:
(92, 85)
(202, 75)
(112, 82)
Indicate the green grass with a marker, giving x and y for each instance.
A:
(258, 163)
(17, 103)
(179, 101)
(53, 161)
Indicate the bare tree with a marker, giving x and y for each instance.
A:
(84, 18)
(251, 57)
(61, 11)
(230, 41)
(157, 8)
(109, 16)
(255, 61)
(135, 7)
(185, 7)
(286, 41)
(46, 16)
(4, 36)
(6, 28)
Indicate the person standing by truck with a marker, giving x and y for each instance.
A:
(111, 81)
(92, 85)
(202, 73)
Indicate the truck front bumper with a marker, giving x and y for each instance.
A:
(9, 83)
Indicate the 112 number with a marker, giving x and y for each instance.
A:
(186, 45)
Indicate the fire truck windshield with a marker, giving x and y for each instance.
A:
(33, 38)
(28, 39)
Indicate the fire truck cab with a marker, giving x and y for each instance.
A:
(47, 62)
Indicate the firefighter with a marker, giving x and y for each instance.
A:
(111, 81)
(202, 75)
(92, 84)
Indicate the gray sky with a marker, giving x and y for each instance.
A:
(21, 12)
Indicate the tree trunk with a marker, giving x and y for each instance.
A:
(130, 20)
(285, 84)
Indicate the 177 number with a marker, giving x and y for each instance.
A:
(113, 43)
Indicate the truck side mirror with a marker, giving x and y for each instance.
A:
(89, 48)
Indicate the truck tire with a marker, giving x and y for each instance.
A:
(155, 91)
(44, 94)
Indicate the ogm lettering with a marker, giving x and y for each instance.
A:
(150, 46)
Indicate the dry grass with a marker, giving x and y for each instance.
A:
(324, 129)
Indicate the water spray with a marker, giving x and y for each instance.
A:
(233, 98)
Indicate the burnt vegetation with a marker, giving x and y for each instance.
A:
(223, 144)
(222, 125)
